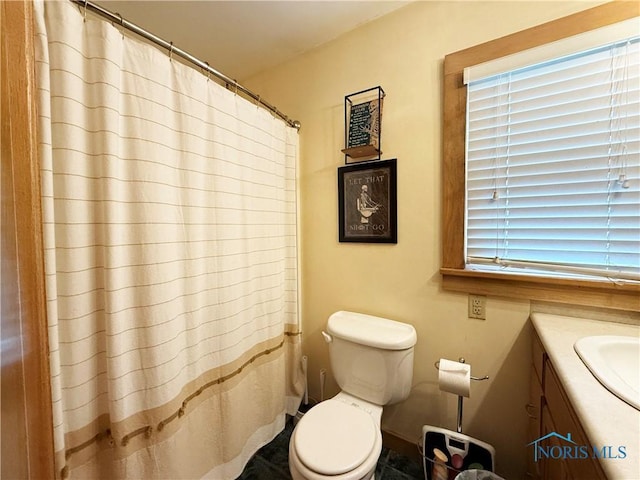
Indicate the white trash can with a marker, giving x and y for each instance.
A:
(477, 475)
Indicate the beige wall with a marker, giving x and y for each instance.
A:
(403, 52)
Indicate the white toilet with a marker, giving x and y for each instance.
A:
(372, 362)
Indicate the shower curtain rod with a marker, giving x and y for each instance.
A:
(231, 84)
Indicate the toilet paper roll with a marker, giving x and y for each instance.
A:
(454, 377)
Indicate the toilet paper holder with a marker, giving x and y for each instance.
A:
(461, 360)
(478, 379)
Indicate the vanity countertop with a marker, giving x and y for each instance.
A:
(606, 419)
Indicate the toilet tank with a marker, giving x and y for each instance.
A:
(371, 357)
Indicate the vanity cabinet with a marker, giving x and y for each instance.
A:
(549, 410)
(534, 407)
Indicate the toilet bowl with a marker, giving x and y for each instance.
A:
(372, 362)
(338, 439)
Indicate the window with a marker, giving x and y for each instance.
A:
(553, 165)
(549, 192)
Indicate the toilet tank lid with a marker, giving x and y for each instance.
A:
(372, 331)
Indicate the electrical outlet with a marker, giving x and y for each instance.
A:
(477, 307)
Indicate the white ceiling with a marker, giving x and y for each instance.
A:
(242, 38)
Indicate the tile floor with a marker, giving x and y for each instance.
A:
(271, 462)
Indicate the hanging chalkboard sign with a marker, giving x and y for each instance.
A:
(363, 114)
(364, 127)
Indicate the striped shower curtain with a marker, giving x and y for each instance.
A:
(170, 235)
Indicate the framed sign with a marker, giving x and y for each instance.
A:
(367, 200)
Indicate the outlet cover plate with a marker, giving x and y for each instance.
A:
(477, 307)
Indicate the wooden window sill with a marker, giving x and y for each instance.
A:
(572, 291)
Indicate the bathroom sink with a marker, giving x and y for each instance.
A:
(615, 362)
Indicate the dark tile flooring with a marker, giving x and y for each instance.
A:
(271, 462)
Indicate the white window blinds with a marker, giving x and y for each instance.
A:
(553, 166)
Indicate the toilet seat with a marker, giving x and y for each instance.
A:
(335, 437)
